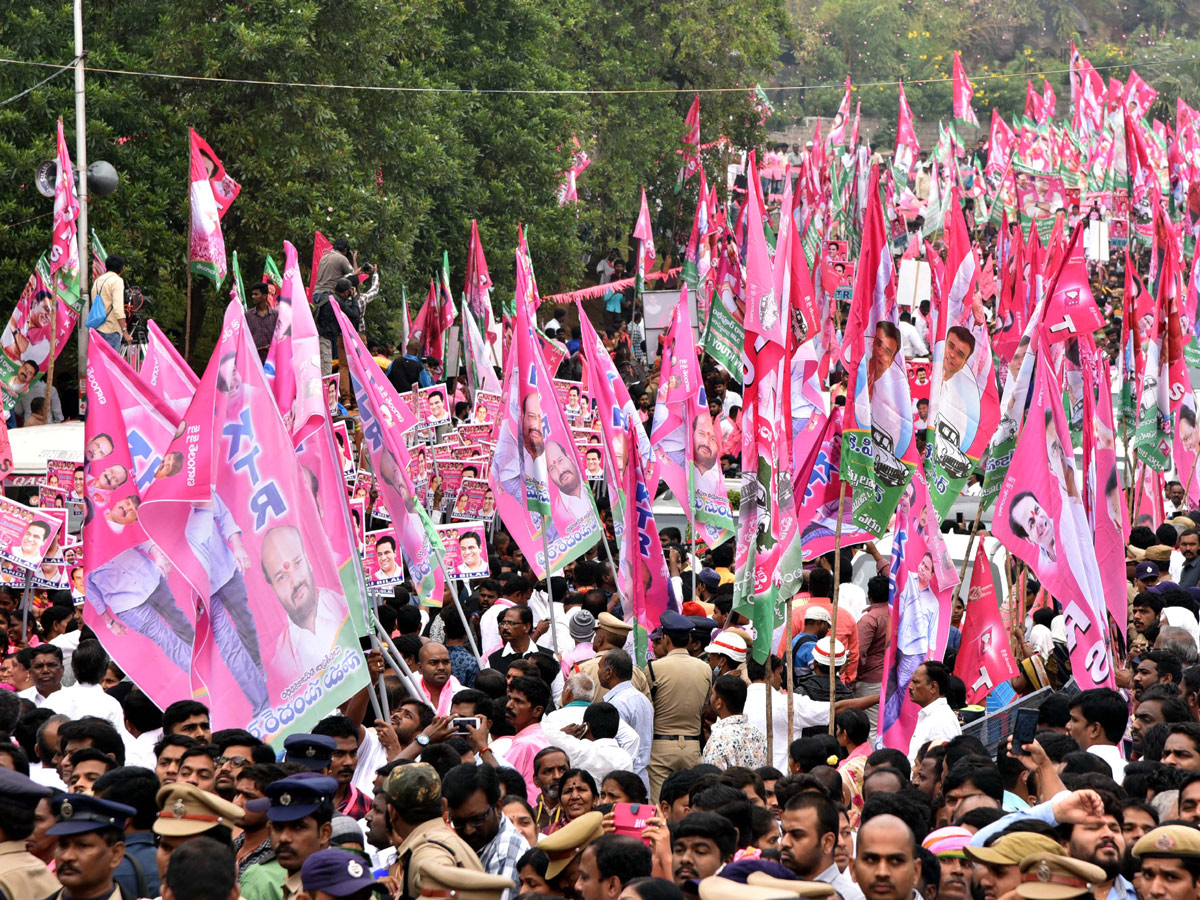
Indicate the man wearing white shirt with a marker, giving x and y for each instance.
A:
(46, 666)
(576, 700)
(592, 745)
(936, 721)
(911, 340)
(86, 697)
(616, 674)
(1098, 720)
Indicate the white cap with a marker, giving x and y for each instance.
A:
(821, 652)
(814, 613)
(728, 644)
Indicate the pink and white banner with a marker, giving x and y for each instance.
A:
(466, 550)
(984, 658)
(274, 649)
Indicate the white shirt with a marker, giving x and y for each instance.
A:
(1112, 756)
(46, 776)
(559, 719)
(81, 700)
(911, 341)
(599, 757)
(139, 751)
(805, 712)
(31, 694)
(935, 722)
(1041, 640)
(298, 648)
(371, 756)
(842, 883)
(69, 640)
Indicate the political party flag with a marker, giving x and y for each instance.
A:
(963, 92)
(477, 355)
(792, 278)
(922, 584)
(645, 238)
(64, 247)
(212, 193)
(632, 467)
(837, 131)
(138, 605)
(854, 127)
(275, 649)
(405, 325)
(540, 491)
(984, 658)
(904, 159)
(167, 372)
(691, 145)
(295, 360)
(1106, 500)
(878, 450)
(1163, 368)
(1040, 518)
(478, 283)
(446, 305)
(99, 257)
(766, 510)
(689, 447)
(964, 406)
(427, 326)
(1138, 96)
(237, 290)
(385, 419)
(321, 246)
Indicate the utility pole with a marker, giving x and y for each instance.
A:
(85, 243)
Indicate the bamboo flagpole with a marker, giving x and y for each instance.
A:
(837, 572)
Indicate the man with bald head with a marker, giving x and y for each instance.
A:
(436, 682)
(886, 865)
(315, 615)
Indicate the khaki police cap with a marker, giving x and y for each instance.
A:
(1175, 841)
(813, 889)
(1012, 848)
(610, 623)
(1053, 876)
(185, 810)
(568, 841)
(440, 881)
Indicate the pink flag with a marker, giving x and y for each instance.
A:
(321, 246)
(137, 603)
(167, 372)
(923, 581)
(1040, 517)
(904, 160)
(541, 494)
(644, 235)
(64, 247)
(273, 644)
(984, 658)
(837, 131)
(478, 286)
(1049, 100)
(963, 93)
(385, 419)
(295, 359)
(691, 145)
(1138, 96)
(1071, 310)
(792, 279)
(688, 445)
(854, 127)
(212, 193)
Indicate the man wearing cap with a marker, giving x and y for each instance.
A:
(565, 846)
(727, 654)
(1053, 876)
(186, 812)
(1147, 575)
(339, 874)
(299, 812)
(313, 751)
(997, 866)
(817, 622)
(439, 881)
(702, 629)
(417, 830)
(733, 741)
(612, 634)
(582, 626)
(1170, 856)
(22, 875)
(815, 683)
(91, 844)
(679, 691)
(948, 845)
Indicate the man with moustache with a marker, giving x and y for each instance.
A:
(91, 844)
(809, 827)
(299, 812)
(347, 799)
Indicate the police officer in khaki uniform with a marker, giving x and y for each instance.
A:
(186, 812)
(1052, 876)
(679, 686)
(611, 634)
(1170, 856)
(418, 832)
(439, 881)
(22, 875)
(565, 846)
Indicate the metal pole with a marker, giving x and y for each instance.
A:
(790, 659)
(837, 572)
(85, 253)
(394, 658)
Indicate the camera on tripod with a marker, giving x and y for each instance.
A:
(137, 313)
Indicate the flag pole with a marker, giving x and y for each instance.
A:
(962, 572)
(549, 593)
(837, 573)
(53, 344)
(791, 672)
(187, 305)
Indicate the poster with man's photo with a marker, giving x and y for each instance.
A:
(383, 564)
(474, 501)
(466, 550)
(432, 407)
(487, 404)
(26, 534)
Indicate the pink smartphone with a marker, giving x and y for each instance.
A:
(631, 818)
